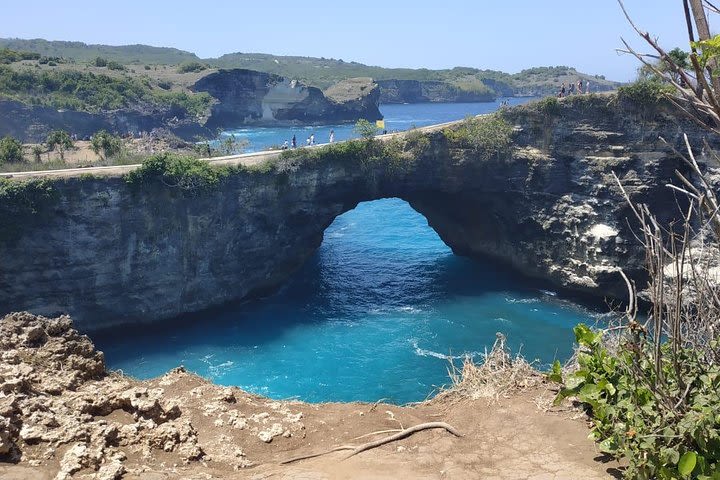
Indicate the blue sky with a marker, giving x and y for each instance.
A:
(500, 35)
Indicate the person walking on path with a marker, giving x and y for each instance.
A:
(312, 139)
(332, 136)
(587, 86)
(579, 86)
(562, 90)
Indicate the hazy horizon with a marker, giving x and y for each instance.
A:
(583, 35)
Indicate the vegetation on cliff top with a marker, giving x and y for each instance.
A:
(319, 72)
(86, 91)
(489, 136)
(187, 174)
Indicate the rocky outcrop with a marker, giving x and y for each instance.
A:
(109, 253)
(415, 91)
(60, 410)
(249, 97)
(32, 123)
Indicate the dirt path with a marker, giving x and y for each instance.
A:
(247, 159)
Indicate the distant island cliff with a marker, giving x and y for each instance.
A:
(222, 99)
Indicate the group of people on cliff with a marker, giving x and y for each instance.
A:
(310, 141)
(574, 88)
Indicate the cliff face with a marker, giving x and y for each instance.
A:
(249, 97)
(107, 253)
(32, 123)
(243, 97)
(414, 91)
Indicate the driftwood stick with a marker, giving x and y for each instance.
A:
(393, 430)
(403, 434)
(377, 443)
(313, 455)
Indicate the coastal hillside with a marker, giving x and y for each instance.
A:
(462, 83)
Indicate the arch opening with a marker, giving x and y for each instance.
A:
(376, 312)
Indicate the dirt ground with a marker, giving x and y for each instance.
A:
(509, 439)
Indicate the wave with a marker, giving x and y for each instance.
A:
(421, 352)
(521, 300)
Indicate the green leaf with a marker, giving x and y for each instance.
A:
(555, 374)
(687, 463)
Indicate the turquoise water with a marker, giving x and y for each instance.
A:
(376, 313)
(397, 117)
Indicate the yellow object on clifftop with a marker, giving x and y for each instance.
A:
(380, 124)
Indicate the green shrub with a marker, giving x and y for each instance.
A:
(100, 62)
(549, 106)
(365, 129)
(188, 67)
(11, 150)
(644, 93)
(12, 56)
(105, 144)
(115, 66)
(490, 136)
(59, 140)
(188, 174)
(631, 418)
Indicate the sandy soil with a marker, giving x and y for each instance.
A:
(508, 439)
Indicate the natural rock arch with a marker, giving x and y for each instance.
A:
(107, 253)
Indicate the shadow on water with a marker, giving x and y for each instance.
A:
(374, 313)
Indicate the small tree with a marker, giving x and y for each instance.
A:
(105, 144)
(10, 150)
(59, 140)
(232, 146)
(36, 151)
(365, 129)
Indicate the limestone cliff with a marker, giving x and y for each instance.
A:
(415, 91)
(107, 252)
(32, 123)
(249, 97)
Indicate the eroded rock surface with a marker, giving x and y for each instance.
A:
(60, 409)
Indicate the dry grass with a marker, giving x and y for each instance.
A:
(499, 376)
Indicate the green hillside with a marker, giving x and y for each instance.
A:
(319, 72)
(81, 52)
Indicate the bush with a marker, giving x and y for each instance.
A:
(190, 175)
(11, 150)
(630, 418)
(59, 140)
(105, 144)
(188, 67)
(644, 93)
(115, 66)
(365, 129)
(101, 62)
(490, 136)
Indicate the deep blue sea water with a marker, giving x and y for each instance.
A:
(397, 117)
(376, 313)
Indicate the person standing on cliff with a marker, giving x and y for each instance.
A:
(312, 139)
(579, 87)
(332, 136)
(294, 142)
(562, 90)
